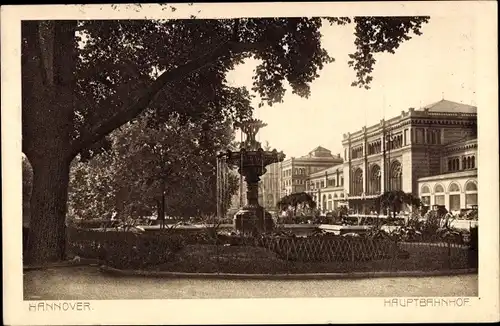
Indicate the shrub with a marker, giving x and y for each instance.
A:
(473, 248)
(141, 251)
(125, 250)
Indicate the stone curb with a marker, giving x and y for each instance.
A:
(308, 276)
(69, 263)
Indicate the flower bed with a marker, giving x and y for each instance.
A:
(194, 252)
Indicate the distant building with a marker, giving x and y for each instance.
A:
(327, 188)
(290, 176)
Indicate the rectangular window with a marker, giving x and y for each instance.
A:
(419, 135)
(439, 200)
(454, 202)
(470, 199)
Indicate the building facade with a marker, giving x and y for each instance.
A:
(456, 186)
(396, 153)
(327, 188)
(291, 175)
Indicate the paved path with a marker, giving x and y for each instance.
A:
(87, 283)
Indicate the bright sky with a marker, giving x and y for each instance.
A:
(423, 70)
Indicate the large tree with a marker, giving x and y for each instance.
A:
(147, 169)
(83, 79)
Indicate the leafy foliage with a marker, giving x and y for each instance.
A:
(377, 35)
(116, 62)
(173, 159)
(27, 176)
(396, 200)
(27, 172)
(296, 200)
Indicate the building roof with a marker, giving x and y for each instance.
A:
(452, 175)
(450, 107)
(318, 152)
(320, 149)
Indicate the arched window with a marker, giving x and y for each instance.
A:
(438, 189)
(375, 177)
(357, 182)
(473, 162)
(454, 187)
(470, 194)
(464, 163)
(454, 197)
(471, 186)
(439, 195)
(396, 176)
(425, 195)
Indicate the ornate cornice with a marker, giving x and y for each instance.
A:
(459, 148)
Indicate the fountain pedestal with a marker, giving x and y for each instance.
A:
(253, 217)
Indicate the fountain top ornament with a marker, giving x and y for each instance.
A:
(250, 152)
(250, 128)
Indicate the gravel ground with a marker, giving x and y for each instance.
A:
(87, 283)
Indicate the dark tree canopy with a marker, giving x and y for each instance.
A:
(82, 80)
(396, 199)
(295, 200)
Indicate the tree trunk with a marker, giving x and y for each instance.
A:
(48, 100)
(47, 233)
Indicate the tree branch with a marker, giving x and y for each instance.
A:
(127, 114)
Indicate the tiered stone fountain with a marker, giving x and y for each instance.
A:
(251, 161)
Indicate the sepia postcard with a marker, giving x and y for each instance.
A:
(250, 163)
